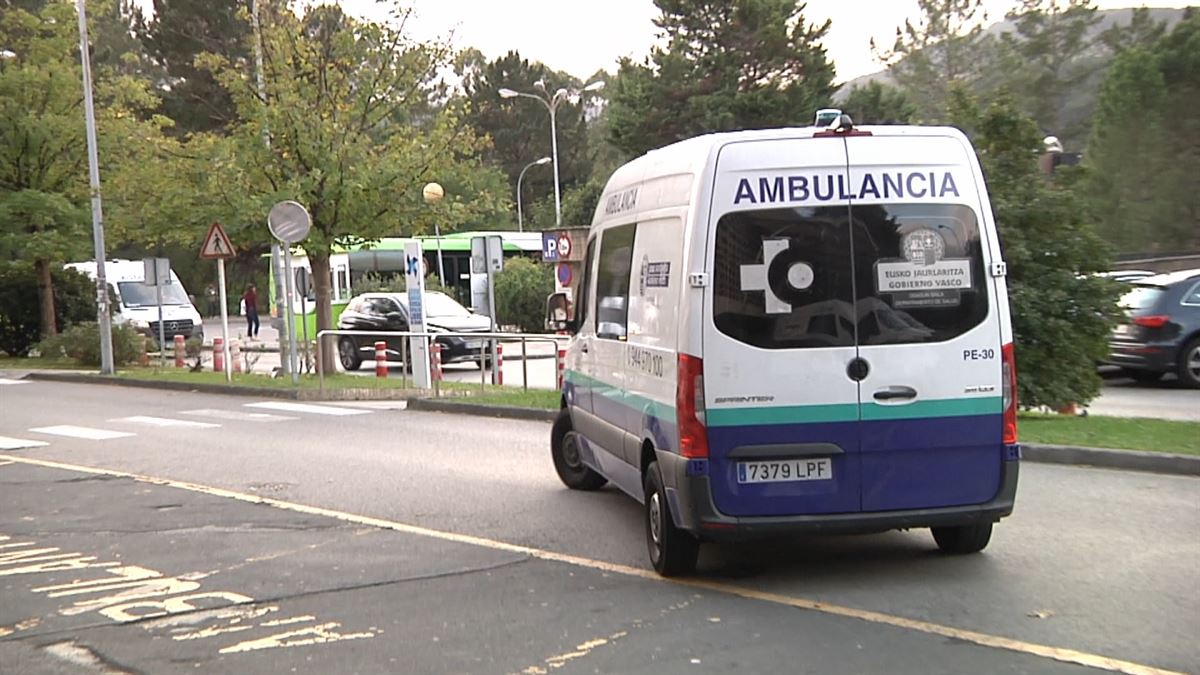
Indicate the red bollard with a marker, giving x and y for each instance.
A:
(562, 366)
(235, 354)
(436, 370)
(218, 355)
(180, 349)
(499, 365)
(380, 359)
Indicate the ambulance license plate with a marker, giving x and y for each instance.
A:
(779, 471)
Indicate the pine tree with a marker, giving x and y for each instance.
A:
(727, 65)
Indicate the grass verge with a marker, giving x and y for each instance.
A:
(26, 363)
(539, 399)
(1125, 433)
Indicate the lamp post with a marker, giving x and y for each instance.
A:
(552, 101)
(538, 162)
(433, 193)
(105, 320)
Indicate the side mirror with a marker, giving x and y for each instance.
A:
(558, 313)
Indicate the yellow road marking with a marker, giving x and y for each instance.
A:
(983, 639)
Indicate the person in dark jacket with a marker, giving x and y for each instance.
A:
(250, 298)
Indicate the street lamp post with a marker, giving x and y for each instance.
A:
(105, 320)
(433, 193)
(538, 162)
(551, 101)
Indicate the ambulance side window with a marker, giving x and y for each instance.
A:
(583, 302)
(612, 282)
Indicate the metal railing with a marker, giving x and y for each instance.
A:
(487, 350)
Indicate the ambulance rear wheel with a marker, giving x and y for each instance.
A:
(568, 462)
(962, 539)
(673, 551)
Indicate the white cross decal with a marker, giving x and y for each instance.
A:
(754, 277)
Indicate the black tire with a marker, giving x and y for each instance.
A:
(673, 552)
(1188, 369)
(564, 449)
(1144, 376)
(963, 539)
(348, 354)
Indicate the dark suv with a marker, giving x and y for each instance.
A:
(1163, 332)
(389, 312)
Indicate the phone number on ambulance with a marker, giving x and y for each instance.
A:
(651, 363)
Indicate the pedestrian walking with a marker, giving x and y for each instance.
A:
(250, 298)
(210, 297)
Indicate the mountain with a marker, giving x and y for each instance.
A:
(1081, 103)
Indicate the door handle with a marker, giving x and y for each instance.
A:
(895, 393)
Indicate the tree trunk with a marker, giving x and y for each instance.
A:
(45, 286)
(321, 284)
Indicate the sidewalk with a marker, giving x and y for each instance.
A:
(267, 340)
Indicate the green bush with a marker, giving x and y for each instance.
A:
(20, 313)
(521, 291)
(373, 282)
(81, 342)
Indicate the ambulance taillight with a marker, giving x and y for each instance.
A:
(689, 408)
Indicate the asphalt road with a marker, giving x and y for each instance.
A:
(425, 542)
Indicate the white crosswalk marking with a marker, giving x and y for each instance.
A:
(307, 408)
(7, 443)
(81, 432)
(166, 422)
(238, 415)
(5, 380)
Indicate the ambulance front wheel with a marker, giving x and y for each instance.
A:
(962, 539)
(564, 449)
(673, 551)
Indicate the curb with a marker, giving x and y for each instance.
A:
(482, 409)
(1129, 460)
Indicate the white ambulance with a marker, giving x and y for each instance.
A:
(794, 330)
(136, 303)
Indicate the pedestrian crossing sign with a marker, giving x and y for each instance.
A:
(216, 244)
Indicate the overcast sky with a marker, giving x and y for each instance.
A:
(583, 36)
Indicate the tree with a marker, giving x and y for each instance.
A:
(877, 103)
(727, 65)
(1144, 152)
(1062, 313)
(352, 137)
(942, 50)
(1048, 60)
(1142, 31)
(178, 32)
(1126, 149)
(43, 160)
(1179, 62)
(520, 128)
(521, 291)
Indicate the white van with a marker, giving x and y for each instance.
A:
(794, 330)
(137, 303)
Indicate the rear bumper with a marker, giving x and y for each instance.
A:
(692, 504)
(1158, 357)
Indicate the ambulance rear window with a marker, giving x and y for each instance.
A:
(794, 278)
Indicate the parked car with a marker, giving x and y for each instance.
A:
(1163, 332)
(1126, 275)
(389, 312)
